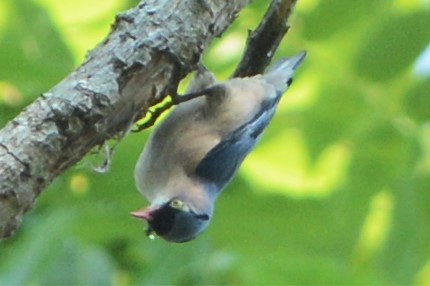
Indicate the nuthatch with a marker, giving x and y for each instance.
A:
(192, 155)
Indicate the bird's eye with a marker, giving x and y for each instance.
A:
(178, 204)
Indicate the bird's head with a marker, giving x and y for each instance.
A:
(174, 221)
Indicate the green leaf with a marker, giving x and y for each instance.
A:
(392, 45)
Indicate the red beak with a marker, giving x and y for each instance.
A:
(145, 214)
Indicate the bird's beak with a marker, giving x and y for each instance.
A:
(145, 214)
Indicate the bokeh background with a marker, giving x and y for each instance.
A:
(337, 192)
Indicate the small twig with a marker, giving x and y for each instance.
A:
(154, 114)
(263, 42)
(175, 100)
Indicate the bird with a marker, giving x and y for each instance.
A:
(193, 154)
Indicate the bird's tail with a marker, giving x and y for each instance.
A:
(280, 74)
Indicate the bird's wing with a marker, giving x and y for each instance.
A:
(221, 162)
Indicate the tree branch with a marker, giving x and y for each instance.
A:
(149, 50)
(263, 42)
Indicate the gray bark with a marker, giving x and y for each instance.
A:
(148, 51)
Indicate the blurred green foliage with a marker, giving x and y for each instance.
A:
(337, 192)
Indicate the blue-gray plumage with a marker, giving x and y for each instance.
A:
(222, 162)
(192, 155)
